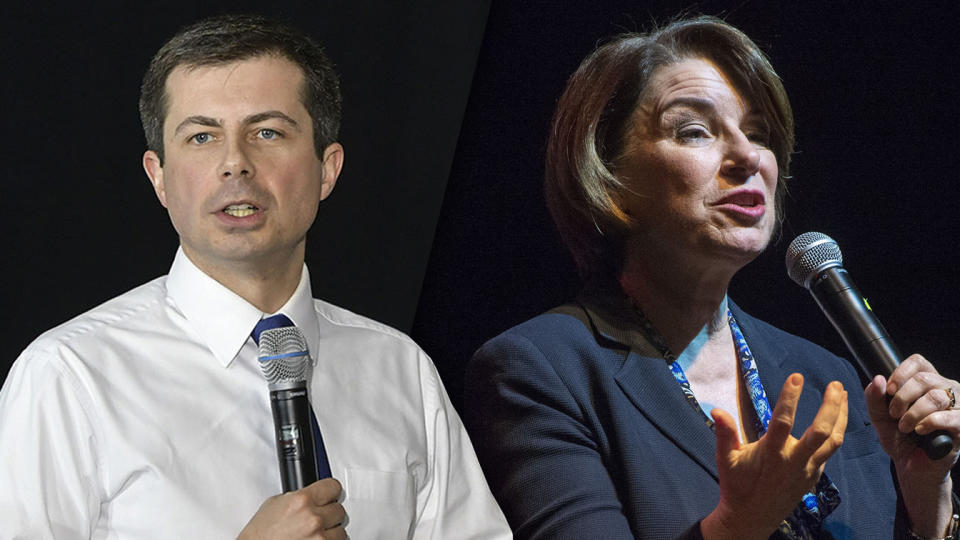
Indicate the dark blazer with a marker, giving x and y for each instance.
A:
(583, 436)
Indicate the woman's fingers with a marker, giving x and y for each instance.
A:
(918, 392)
(876, 397)
(832, 411)
(781, 420)
(906, 370)
(832, 443)
(933, 401)
(728, 439)
(913, 390)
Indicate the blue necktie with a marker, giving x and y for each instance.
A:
(281, 321)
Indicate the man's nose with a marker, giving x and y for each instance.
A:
(236, 161)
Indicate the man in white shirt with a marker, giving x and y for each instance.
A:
(148, 417)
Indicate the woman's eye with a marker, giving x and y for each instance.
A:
(201, 138)
(692, 133)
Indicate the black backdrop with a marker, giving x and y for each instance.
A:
(81, 223)
(873, 88)
(874, 92)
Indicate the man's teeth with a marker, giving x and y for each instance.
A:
(240, 210)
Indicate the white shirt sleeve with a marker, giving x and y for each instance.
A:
(455, 501)
(49, 486)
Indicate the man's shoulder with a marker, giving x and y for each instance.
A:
(338, 321)
(129, 310)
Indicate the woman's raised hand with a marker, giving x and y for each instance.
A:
(762, 482)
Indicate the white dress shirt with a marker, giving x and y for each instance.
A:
(148, 417)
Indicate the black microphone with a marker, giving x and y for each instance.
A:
(815, 263)
(284, 362)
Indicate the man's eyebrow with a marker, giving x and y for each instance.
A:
(267, 115)
(198, 120)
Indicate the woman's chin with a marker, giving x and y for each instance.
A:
(743, 245)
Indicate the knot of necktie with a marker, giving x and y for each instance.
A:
(270, 323)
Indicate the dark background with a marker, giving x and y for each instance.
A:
(874, 93)
(872, 85)
(81, 223)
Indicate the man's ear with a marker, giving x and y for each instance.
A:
(151, 164)
(332, 163)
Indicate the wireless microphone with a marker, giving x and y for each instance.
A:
(814, 262)
(284, 362)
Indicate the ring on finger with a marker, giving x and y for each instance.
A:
(953, 398)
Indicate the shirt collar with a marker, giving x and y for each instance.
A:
(300, 309)
(223, 319)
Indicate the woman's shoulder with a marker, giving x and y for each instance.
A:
(563, 327)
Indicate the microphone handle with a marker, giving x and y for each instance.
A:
(867, 339)
(294, 437)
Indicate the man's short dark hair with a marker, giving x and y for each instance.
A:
(230, 38)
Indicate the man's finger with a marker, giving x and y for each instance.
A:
(332, 514)
(336, 533)
(324, 491)
(781, 421)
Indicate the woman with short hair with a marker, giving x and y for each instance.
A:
(653, 406)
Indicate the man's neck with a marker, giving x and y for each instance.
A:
(267, 284)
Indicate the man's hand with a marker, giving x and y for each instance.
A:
(311, 512)
(762, 482)
(916, 398)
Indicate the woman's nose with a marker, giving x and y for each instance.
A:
(743, 158)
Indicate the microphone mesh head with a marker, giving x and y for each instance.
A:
(283, 355)
(809, 254)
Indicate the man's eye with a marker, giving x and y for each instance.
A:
(201, 138)
(267, 133)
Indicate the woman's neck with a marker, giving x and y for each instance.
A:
(678, 299)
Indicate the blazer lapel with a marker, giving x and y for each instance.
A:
(770, 356)
(650, 386)
(647, 381)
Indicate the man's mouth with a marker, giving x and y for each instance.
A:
(240, 210)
